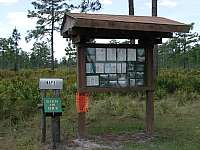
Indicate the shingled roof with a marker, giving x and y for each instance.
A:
(121, 22)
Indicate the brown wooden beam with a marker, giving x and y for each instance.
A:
(88, 33)
(81, 125)
(149, 94)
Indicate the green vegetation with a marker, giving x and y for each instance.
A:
(176, 104)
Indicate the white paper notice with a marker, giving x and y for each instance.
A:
(121, 54)
(123, 67)
(119, 68)
(110, 68)
(100, 54)
(111, 54)
(131, 54)
(99, 67)
(92, 80)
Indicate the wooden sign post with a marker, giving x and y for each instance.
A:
(117, 67)
(51, 106)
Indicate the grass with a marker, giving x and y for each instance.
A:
(177, 119)
(176, 127)
(178, 130)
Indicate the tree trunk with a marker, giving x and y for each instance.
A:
(52, 40)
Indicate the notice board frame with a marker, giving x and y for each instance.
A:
(81, 68)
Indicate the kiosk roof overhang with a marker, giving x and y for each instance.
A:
(119, 26)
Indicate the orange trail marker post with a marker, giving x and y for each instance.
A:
(82, 101)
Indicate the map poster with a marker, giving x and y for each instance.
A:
(131, 56)
(92, 80)
(110, 67)
(99, 67)
(111, 54)
(90, 68)
(121, 54)
(90, 51)
(140, 52)
(90, 58)
(100, 54)
(103, 80)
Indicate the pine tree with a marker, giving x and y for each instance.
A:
(15, 38)
(49, 14)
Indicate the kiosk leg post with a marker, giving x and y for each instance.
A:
(149, 113)
(81, 125)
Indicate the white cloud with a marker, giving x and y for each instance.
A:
(8, 1)
(20, 19)
(168, 3)
(106, 1)
(60, 44)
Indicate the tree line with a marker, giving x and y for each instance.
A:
(13, 57)
(181, 51)
(49, 15)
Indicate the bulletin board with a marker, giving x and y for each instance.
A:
(110, 67)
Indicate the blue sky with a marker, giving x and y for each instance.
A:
(13, 14)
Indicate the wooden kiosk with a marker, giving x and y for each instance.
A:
(117, 67)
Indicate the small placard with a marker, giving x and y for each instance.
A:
(110, 68)
(92, 80)
(100, 54)
(111, 54)
(121, 54)
(131, 54)
(52, 105)
(99, 67)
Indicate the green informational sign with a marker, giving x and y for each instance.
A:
(52, 105)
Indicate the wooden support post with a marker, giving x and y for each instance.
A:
(81, 125)
(150, 113)
(149, 93)
(55, 125)
(43, 118)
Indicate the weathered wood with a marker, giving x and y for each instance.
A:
(149, 94)
(81, 67)
(124, 23)
(43, 118)
(55, 125)
(113, 89)
(87, 33)
(81, 125)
